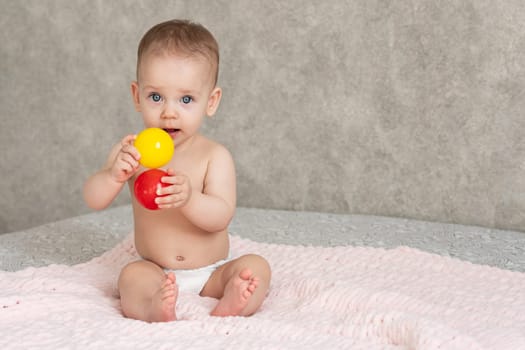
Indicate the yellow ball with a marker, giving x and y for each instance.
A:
(155, 147)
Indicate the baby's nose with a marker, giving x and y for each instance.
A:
(170, 110)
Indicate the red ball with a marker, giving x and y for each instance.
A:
(146, 186)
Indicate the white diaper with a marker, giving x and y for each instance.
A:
(194, 280)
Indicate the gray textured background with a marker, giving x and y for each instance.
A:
(405, 108)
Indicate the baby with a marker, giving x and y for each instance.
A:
(184, 246)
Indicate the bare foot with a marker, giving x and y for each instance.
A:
(237, 294)
(163, 302)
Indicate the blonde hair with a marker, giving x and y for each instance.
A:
(183, 38)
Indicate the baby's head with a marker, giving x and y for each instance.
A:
(181, 38)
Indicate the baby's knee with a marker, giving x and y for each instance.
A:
(127, 273)
(136, 270)
(258, 264)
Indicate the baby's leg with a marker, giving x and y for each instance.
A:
(147, 293)
(240, 285)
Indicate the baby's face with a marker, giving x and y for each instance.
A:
(174, 93)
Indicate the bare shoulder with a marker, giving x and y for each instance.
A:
(220, 170)
(214, 150)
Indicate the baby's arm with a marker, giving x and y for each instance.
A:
(101, 188)
(213, 209)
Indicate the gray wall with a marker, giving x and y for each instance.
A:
(398, 108)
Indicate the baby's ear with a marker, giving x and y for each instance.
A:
(135, 95)
(213, 101)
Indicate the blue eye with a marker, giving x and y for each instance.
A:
(186, 99)
(155, 97)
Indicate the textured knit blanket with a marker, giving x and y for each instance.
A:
(320, 298)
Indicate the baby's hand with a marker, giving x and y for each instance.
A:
(177, 194)
(126, 162)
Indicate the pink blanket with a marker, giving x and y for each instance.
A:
(321, 298)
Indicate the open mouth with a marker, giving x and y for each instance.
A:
(172, 132)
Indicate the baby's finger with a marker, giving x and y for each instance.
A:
(121, 171)
(131, 150)
(166, 190)
(129, 159)
(126, 168)
(128, 140)
(171, 201)
(174, 180)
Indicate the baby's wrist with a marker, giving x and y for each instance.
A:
(114, 177)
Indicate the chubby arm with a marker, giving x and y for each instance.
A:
(213, 209)
(102, 187)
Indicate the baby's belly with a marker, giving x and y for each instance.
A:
(174, 249)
